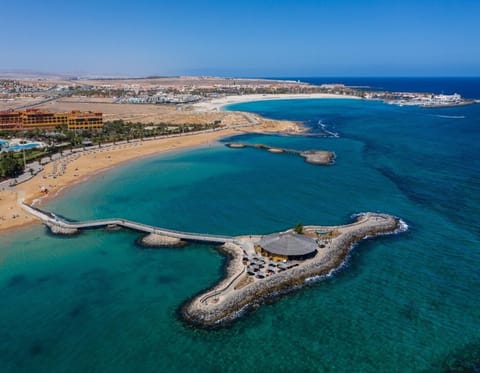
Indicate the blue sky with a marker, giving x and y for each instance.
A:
(242, 38)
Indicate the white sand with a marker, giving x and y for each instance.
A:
(218, 103)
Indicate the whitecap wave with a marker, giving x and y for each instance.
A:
(331, 273)
(403, 226)
(451, 116)
(357, 215)
(325, 130)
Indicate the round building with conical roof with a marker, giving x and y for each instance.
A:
(288, 246)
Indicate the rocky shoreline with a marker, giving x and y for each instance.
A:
(219, 306)
(317, 157)
(153, 240)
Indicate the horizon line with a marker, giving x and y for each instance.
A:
(227, 76)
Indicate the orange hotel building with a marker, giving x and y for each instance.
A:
(42, 119)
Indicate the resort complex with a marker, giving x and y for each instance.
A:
(41, 119)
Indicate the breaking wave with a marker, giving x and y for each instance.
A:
(323, 127)
(450, 116)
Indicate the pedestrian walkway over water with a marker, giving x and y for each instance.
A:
(70, 227)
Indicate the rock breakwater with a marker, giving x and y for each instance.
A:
(224, 302)
(159, 240)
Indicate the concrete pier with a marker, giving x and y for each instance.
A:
(58, 225)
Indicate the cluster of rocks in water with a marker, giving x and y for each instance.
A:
(58, 229)
(317, 157)
(320, 157)
(159, 240)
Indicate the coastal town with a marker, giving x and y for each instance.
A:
(43, 115)
(180, 91)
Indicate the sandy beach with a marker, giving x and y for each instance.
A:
(218, 103)
(81, 166)
(70, 170)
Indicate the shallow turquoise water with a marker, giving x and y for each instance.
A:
(98, 302)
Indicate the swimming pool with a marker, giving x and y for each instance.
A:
(4, 146)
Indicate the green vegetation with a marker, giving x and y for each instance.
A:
(117, 130)
(298, 228)
(120, 130)
(62, 138)
(10, 165)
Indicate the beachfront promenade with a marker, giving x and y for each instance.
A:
(65, 155)
(62, 226)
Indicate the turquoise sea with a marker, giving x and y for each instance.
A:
(406, 303)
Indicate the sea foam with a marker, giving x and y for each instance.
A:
(325, 130)
(450, 116)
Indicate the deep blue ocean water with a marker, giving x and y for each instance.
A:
(468, 87)
(404, 303)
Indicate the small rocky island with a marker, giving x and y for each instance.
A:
(318, 157)
(258, 267)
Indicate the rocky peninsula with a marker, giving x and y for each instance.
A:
(252, 275)
(318, 157)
